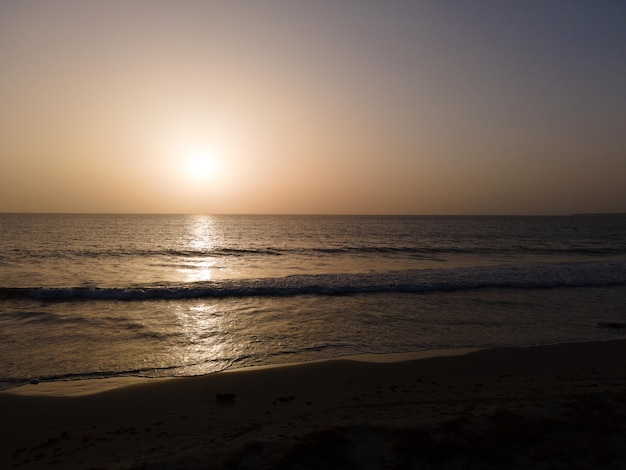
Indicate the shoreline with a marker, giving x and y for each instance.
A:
(262, 417)
(91, 386)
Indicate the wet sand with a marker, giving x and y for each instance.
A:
(558, 406)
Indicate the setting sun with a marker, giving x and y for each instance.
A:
(200, 165)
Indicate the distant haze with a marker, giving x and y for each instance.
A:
(440, 107)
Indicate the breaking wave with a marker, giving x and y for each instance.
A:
(534, 276)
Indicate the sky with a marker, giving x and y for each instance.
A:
(324, 107)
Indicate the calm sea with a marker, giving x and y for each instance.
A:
(86, 296)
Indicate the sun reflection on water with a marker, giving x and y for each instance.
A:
(202, 348)
(200, 240)
(198, 269)
(201, 233)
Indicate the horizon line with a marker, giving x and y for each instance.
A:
(320, 214)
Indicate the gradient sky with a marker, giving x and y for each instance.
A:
(425, 107)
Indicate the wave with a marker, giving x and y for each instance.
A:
(202, 367)
(177, 370)
(39, 317)
(580, 274)
(143, 253)
(236, 252)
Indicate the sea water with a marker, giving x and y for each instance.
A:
(172, 295)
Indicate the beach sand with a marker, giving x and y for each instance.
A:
(560, 406)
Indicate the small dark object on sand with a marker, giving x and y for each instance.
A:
(225, 396)
(612, 325)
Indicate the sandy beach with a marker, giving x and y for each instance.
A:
(561, 406)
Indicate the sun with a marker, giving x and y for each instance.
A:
(200, 165)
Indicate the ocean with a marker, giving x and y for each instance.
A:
(88, 296)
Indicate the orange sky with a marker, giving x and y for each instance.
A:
(312, 107)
